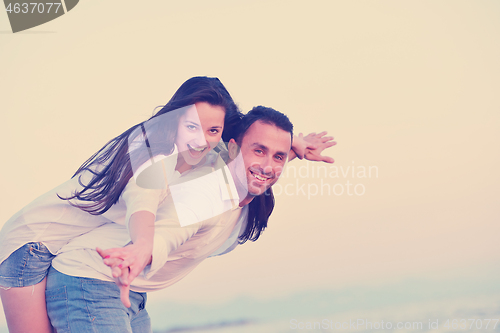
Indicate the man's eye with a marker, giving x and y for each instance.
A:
(279, 158)
(214, 131)
(258, 151)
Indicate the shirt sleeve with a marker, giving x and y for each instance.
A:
(169, 235)
(193, 201)
(146, 196)
(138, 199)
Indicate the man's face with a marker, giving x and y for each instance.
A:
(264, 149)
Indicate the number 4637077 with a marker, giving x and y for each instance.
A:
(36, 7)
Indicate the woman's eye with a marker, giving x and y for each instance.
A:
(191, 127)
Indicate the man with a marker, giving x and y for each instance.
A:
(225, 207)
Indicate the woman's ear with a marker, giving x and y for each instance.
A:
(233, 149)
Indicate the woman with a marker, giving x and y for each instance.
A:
(104, 190)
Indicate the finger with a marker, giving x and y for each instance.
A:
(313, 157)
(326, 145)
(134, 272)
(124, 295)
(111, 253)
(328, 159)
(319, 158)
(124, 277)
(112, 262)
(101, 252)
(321, 134)
(126, 263)
(116, 253)
(116, 271)
(330, 144)
(326, 138)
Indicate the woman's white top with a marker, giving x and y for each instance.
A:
(207, 199)
(55, 222)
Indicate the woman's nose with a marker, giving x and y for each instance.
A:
(200, 140)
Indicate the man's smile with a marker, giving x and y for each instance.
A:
(260, 177)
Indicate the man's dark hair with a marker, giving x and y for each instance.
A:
(266, 115)
(261, 207)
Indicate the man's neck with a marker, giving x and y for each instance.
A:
(246, 200)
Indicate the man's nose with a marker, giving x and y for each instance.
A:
(266, 165)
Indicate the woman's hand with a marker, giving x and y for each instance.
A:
(134, 256)
(126, 264)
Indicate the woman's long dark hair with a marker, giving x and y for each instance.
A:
(111, 167)
(259, 211)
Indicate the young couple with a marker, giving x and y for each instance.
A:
(219, 194)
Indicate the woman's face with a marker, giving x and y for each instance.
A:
(199, 130)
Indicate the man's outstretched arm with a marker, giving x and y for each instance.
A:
(311, 147)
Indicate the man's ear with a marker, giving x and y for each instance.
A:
(233, 149)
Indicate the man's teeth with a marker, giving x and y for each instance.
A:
(259, 177)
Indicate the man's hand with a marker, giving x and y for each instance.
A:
(133, 256)
(124, 288)
(311, 146)
(300, 146)
(126, 264)
(321, 142)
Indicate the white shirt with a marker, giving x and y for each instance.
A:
(54, 222)
(209, 201)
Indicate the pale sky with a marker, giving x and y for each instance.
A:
(410, 88)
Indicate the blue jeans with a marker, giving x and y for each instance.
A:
(77, 304)
(26, 266)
